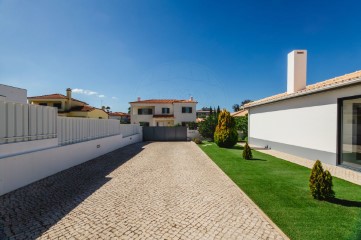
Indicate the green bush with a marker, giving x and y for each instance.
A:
(197, 140)
(247, 153)
(242, 124)
(321, 182)
(226, 134)
(208, 127)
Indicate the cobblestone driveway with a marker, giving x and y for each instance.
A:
(143, 191)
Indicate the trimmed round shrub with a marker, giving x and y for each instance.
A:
(197, 140)
(226, 134)
(321, 182)
(247, 153)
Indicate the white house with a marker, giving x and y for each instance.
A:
(319, 121)
(163, 112)
(13, 94)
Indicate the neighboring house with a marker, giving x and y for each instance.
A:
(163, 112)
(319, 121)
(121, 116)
(203, 113)
(13, 94)
(68, 106)
(240, 113)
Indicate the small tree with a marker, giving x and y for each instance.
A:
(247, 153)
(321, 182)
(242, 125)
(226, 134)
(207, 127)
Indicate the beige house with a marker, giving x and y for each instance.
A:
(163, 112)
(68, 106)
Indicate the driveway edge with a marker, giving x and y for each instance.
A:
(248, 198)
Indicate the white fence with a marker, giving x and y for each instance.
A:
(130, 129)
(72, 129)
(25, 122)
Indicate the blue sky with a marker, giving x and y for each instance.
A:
(219, 52)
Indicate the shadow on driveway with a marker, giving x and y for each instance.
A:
(28, 212)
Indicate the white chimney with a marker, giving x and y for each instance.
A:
(138, 99)
(296, 71)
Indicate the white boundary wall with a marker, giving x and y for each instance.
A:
(23, 169)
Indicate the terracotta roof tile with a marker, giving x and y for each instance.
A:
(240, 113)
(54, 96)
(330, 83)
(85, 108)
(164, 101)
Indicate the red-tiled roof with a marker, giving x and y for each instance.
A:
(85, 108)
(164, 101)
(163, 116)
(119, 114)
(240, 113)
(332, 83)
(54, 96)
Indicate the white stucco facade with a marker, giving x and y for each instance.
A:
(13, 94)
(303, 126)
(175, 115)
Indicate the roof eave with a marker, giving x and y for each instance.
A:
(317, 90)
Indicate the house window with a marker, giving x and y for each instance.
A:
(43, 104)
(186, 109)
(145, 111)
(165, 110)
(350, 137)
(57, 105)
(144, 124)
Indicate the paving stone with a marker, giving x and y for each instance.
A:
(163, 190)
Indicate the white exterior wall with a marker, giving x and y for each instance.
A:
(300, 124)
(21, 170)
(13, 94)
(175, 109)
(184, 117)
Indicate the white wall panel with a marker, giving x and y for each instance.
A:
(309, 121)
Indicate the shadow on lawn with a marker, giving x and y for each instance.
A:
(344, 202)
(257, 159)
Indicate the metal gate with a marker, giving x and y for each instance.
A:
(165, 133)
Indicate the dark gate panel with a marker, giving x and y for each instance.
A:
(164, 133)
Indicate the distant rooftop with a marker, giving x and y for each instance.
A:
(55, 96)
(164, 101)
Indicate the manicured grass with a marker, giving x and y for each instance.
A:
(280, 189)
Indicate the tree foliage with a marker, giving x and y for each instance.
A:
(245, 102)
(226, 134)
(235, 107)
(247, 153)
(321, 182)
(242, 124)
(208, 126)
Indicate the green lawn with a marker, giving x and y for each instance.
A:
(280, 189)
